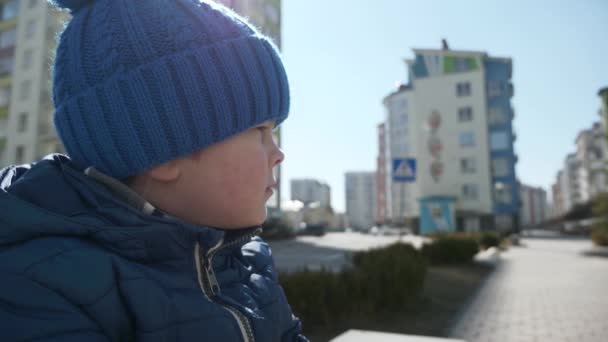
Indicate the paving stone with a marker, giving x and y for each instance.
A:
(547, 291)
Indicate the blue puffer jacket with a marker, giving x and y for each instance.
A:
(79, 264)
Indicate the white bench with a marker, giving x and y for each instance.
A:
(367, 336)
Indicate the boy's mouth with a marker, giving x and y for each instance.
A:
(270, 188)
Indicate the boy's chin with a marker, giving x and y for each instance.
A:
(253, 220)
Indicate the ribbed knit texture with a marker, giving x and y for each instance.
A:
(140, 82)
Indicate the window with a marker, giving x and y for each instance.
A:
(497, 116)
(502, 193)
(499, 141)
(463, 89)
(6, 66)
(10, 9)
(470, 191)
(5, 96)
(500, 167)
(8, 38)
(20, 154)
(465, 114)
(402, 105)
(24, 92)
(22, 124)
(27, 59)
(468, 165)
(467, 139)
(31, 29)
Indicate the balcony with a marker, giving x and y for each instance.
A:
(594, 165)
(7, 51)
(3, 112)
(8, 24)
(6, 80)
(5, 72)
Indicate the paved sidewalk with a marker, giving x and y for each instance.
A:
(546, 291)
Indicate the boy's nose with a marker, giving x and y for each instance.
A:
(279, 156)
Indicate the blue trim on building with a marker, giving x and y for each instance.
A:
(498, 72)
(419, 67)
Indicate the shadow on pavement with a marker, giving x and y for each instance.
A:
(601, 252)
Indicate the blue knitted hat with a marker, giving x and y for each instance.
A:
(137, 83)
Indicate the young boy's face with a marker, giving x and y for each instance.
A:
(227, 184)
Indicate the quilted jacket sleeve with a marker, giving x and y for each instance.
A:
(259, 256)
(29, 311)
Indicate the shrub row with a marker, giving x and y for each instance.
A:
(381, 280)
(451, 248)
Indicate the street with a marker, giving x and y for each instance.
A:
(546, 290)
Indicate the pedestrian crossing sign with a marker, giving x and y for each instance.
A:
(404, 170)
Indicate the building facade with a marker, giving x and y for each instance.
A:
(381, 200)
(534, 209)
(360, 199)
(449, 137)
(584, 174)
(591, 151)
(28, 30)
(557, 201)
(309, 191)
(603, 112)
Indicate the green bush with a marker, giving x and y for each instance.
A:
(391, 276)
(454, 248)
(599, 234)
(381, 281)
(314, 296)
(276, 229)
(489, 239)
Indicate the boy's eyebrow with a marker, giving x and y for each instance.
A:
(270, 124)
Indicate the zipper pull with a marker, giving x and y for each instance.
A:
(214, 285)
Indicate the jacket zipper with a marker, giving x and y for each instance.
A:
(210, 286)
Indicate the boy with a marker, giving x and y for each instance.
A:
(178, 99)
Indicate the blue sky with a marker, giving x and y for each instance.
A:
(344, 56)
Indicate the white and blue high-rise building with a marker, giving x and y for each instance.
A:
(450, 144)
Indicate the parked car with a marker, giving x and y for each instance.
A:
(313, 229)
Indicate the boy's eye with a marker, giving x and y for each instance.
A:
(262, 130)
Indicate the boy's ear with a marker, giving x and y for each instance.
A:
(166, 172)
